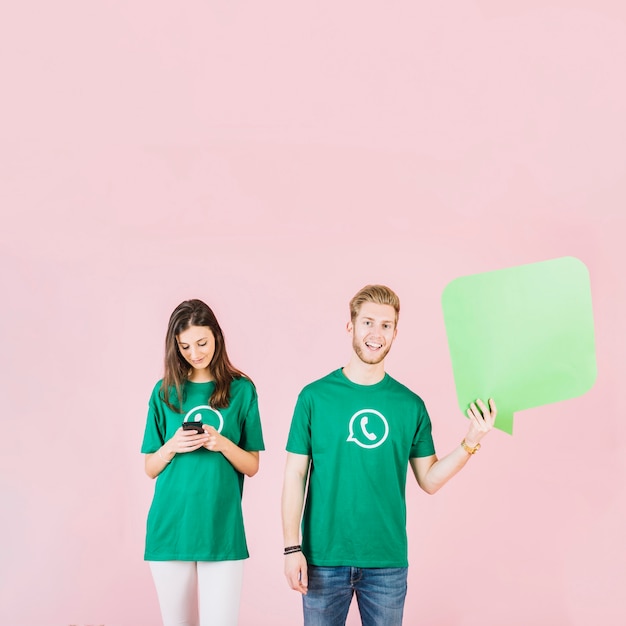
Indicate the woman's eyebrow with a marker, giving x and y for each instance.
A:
(180, 343)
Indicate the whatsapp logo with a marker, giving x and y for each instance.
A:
(368, 428)
(207, 415)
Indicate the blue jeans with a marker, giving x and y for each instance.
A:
(380, 594)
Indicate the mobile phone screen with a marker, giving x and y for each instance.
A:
(197, 426)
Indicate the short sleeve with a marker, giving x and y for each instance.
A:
(154, 435)
(251, 431)
(299, 439)
(422, 444)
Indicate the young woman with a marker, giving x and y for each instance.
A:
(203, 434)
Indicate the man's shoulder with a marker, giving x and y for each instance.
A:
(325, 381)
(400, 388)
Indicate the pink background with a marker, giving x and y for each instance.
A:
(271, 158)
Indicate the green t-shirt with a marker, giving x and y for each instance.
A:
(196, 510)
(360, 439)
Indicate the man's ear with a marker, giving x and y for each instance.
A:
(349, 327)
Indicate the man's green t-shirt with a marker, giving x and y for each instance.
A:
(196, 511)
(360, 439)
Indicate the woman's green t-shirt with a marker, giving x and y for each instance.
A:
(196, 510)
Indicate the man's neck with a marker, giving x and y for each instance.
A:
(364, 373)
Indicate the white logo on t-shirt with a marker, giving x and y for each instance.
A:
(368, 428)
(207, 415)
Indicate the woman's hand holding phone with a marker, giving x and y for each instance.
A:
(187, 440)
(216, 442)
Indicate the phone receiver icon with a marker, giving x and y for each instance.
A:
(364, 421)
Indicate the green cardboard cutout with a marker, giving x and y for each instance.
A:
(523, 336)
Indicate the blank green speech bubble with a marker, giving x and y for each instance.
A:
(523, 336)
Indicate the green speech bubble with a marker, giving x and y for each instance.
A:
(522, 335)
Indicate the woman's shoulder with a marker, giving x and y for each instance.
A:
(242, 386)
(156, 395)
(242, 382)
(157, 387)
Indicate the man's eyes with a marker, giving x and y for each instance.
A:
(369, 323)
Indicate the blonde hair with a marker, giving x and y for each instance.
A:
(378, 294)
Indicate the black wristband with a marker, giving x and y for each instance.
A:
(292, 549)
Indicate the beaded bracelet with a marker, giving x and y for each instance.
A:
(292, 549)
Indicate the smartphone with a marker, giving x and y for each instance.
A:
(197, 426)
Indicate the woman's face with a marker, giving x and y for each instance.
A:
(197, 345)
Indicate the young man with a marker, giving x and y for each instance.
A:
(357, 430)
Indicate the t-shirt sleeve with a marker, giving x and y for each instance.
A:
(251, 432)
(154, 435)
(422, 440)
(299, 439)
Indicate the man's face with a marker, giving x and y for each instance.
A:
(373, 332)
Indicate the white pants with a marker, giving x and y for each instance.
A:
(198, 593)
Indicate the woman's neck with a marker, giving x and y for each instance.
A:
(200, 376)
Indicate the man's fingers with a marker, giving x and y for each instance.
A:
(485, 411)
(297, 576)
(295, 582)
(474, 413)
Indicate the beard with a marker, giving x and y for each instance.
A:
(369, 359)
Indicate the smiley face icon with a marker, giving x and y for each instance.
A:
(368, 428)
(207, 415)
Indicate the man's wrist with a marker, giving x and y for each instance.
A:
(470, 447)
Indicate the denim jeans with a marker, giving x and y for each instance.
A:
(380, 594)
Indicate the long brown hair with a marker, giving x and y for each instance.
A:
(195, 313)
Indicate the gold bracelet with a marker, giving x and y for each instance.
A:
(161, 456)
(468, 448)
